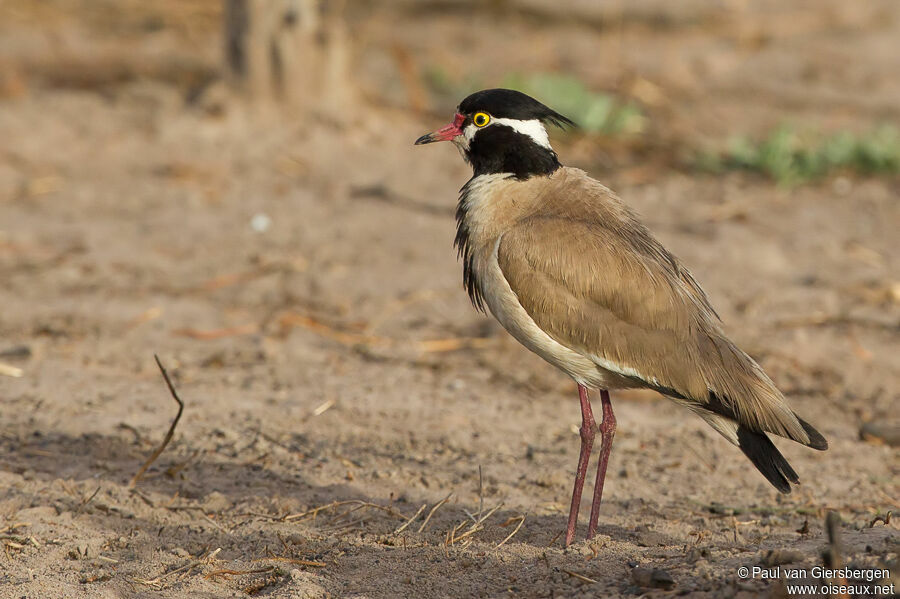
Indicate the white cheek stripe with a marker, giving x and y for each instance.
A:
(533, 129)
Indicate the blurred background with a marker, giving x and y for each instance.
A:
(231, 184)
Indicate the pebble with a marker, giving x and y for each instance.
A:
(887, 433)
(779, 557)
(260, 222)
(216, 502)
(652, 578)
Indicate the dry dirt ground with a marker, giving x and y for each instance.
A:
(335, 376)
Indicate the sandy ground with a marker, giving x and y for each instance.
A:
(335, 376)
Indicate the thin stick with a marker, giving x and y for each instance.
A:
(311, 512)
(475, 527)
(157, 582)
(580, 577)
(237, 572)
(244, 329)
(86, 501)
(15, 526)
(169, 434)
(480, 492)
(433, 510)
(315, 511)
(404, 526)
(521, 520)
(292, 560)
(345, 337)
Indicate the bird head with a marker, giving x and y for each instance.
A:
(502, 131)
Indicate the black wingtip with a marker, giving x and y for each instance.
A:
(816, 440)
(767, 459)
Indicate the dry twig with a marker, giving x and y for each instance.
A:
(86, 501)
(411, 519)
(580, 577)
(553, 540)
(183, 570)
(433, 510)
(315, 511)
(292, 560)
(475, 527)
(345, 337)
(169, 434)
(14, 526)
(521, 520)
(237, 331)
(215, 573)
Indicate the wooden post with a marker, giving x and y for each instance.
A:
(272, 48)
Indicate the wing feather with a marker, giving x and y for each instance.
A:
(610, 291)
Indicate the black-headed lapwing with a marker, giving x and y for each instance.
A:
(568, 269)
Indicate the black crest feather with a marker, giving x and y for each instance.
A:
(512, 104)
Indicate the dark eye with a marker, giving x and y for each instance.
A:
(481, 119)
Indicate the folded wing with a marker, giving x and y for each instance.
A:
(611, 292)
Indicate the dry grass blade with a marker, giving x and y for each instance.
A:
(310, 512)
(244, 329)
(216, 573)
(324, 407)
(311, 324)
(171, 431)
(235, 278)
(362, 504)
(553, 540)
(14, 526)
(821, 320)
(86, 501)
(521, 520)
(157, 582)
(145, 316)
(293, 560)
(453, 344)
(345, 337)
(411, 519)
(475, 527)
(480, 492)
(433, 510)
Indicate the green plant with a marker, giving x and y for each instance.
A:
(790, 157)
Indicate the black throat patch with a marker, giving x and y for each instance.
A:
(501, 149)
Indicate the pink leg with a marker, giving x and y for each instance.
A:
(607, 432)
(588, 432)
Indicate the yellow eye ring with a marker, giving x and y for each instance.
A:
(481, 119)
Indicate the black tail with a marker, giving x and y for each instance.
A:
(816, 440)
(768, 460)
